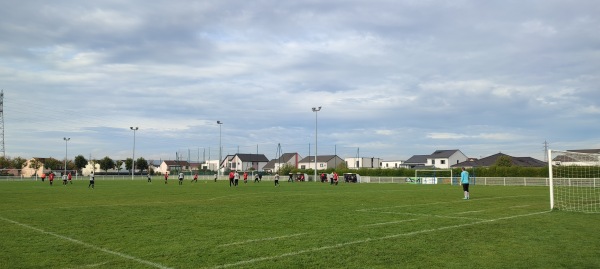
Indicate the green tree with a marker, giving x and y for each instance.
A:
(5, 162)
(80, 162)
(118, 165)
(106, 163)
(128, 164)
(19, 163)
(504, 161)
(53, 164)
(141, 164)
(35, 164)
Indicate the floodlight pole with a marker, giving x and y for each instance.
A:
(133, 160)
(316, 110)
(66, 152)
(220, 156)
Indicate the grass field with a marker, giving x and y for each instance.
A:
(135, 224)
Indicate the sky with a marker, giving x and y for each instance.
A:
(393, 78)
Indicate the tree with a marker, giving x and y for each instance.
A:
(5, 162)
(35, 164)
(503, 161)
(53, 164)
(107, 163)
(80, 162)
(128, 164)
(118, 165)
(141, 163)
(19, 163)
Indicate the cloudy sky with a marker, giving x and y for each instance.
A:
(394, 78)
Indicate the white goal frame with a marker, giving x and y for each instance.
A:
(574, 181)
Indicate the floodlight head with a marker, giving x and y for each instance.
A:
(66, 138)
(315, 109)
(133, 128)
(219, 122)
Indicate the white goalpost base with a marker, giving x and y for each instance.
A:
(574, 180)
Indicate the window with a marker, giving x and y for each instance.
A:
(443, 161)
(302, 166)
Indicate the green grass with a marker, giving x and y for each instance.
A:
(134, 224)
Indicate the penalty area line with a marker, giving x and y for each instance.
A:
(366, 240)
(261, 239)
(125, 256)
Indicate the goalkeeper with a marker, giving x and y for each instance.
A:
(464, 181)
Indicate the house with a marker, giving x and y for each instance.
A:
(393, 164)
(416, 161)
(567, 159)
(286, 159)
(323, 162)
(245, 162)
(492, 160)
(445, 158)
(169, 165)
(357, 163)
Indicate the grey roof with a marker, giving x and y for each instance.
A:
(491, 161)
(417, 159)
(443, 153)
(585, 150)
(320, 158)
(252, 157)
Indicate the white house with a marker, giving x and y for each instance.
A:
(445, 158)
(323, 162)
(393, 164)
(356, 163)
(274, 165)
(245, 162)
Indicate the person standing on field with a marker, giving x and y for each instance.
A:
(195, 180)
(464, 181)
(215, 177)
(256, 178)
(181, 178)
(245, 177)
(166, 177)
(70, 177)
(43, 176)
(51, 177)
(91, 181)
(231, 176)
(276, 180)
(236, 177)
(149, 178)
(64, 178)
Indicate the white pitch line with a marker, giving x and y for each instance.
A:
(469, 212)
(437, 203)
(426, 215)
(336, 246)
(261, 239)
(125, 256)
(386, 223)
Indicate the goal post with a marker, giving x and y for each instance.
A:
(574, 181)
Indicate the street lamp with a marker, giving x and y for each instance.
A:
(66, 152)
(133, 160)
(316, 110)
(220, 156)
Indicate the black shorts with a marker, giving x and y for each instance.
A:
(465, 187)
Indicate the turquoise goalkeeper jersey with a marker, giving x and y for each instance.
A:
(464, 177)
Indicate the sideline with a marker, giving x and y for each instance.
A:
(289, 254)
(125, 256)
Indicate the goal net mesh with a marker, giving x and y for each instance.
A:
(575, 181)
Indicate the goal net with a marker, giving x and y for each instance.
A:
(574, 181)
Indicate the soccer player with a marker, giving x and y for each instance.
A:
(70, 177)
(43, 176)
(464, 181)
(149, 178)
(215, 177)
(231, 178)
(64, 178)
(245, 177)
(236, 178)
(181, 178)
(276, 180)
(335, 178)
(51, 177)
(256, 178)
(195, 180)
(259, 176)
(91, 181)
(166, 177)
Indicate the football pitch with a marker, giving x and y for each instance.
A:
(135, 224)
